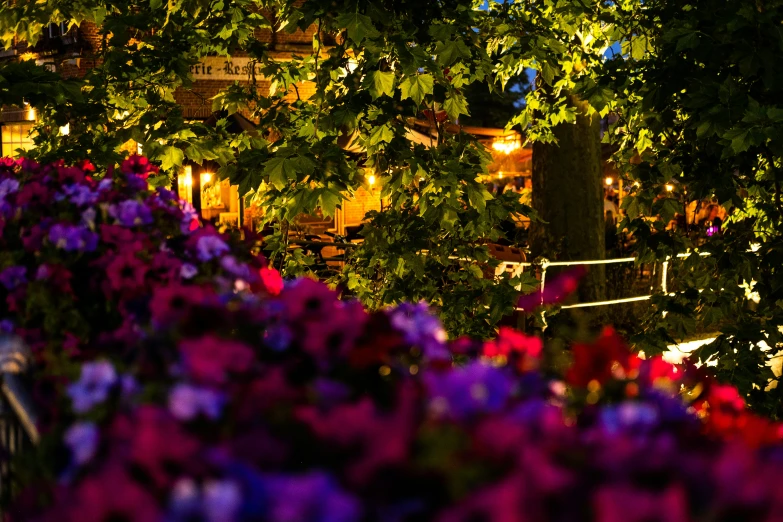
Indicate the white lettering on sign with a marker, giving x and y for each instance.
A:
(221, 68)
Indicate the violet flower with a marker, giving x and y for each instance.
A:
(186, 402)
(209, 247)
(93, 386)
(465, 391)
(82, 439)
(73, 238)
(131, 213)
(420, 327)
(13, 277)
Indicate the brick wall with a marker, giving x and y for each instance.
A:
(364, 201)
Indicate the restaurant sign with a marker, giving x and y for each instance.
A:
(222, 68)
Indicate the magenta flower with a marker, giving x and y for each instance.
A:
(209, 359)
(555, 290)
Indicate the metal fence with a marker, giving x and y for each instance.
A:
(18, 419)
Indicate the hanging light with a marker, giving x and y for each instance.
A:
(371, 180)
(669, 187)
(65, 129)
(608, 181)
(506, 144)
(500, 174)
(187, 179)
(206, 177)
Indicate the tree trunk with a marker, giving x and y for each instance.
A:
(568, 196)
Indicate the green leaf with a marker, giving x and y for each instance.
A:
(547, 73)
(455, 105)
(384, 133)
(381, 83)
(171, 157)
(449, 52)
(359, 26)
(417, 87)
(689, 41)
(279, 171)
(638, 47)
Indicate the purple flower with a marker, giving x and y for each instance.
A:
(314, 497)
(219, 501)
(8, 186)
(105, 184)
(166, 195)
(137, 183)
(88, 217)
(420, 328)
(13, 276)
(93, 385)
(210, 247)
(188, 271)
(222, 500)
(186, 402)
(278, 337)
(82, 439)
(131, 213)
(189, 217)
(79, 195)
(468, 390)
(235, 268)
(73, 238)
(6, 326)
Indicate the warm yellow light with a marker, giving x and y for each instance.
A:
(506, 145)
(31, 113)
(669, 187)
(65, 129)
(27, 56)
(500, 175)
(187, 179)
(371, 180)
(608, 180)
(206, 177)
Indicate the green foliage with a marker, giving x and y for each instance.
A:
(698, 101)
(375, 67)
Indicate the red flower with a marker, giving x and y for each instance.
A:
(510, 341)
(271, 280)
(209, 358)
(608, 357)
(138, 165)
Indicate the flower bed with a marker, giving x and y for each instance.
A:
(204, 389)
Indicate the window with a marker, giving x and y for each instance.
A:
(16, 136)
(56, 30)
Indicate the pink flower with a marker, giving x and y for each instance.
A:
(209, 358)
(555, 291)
(271, 280)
